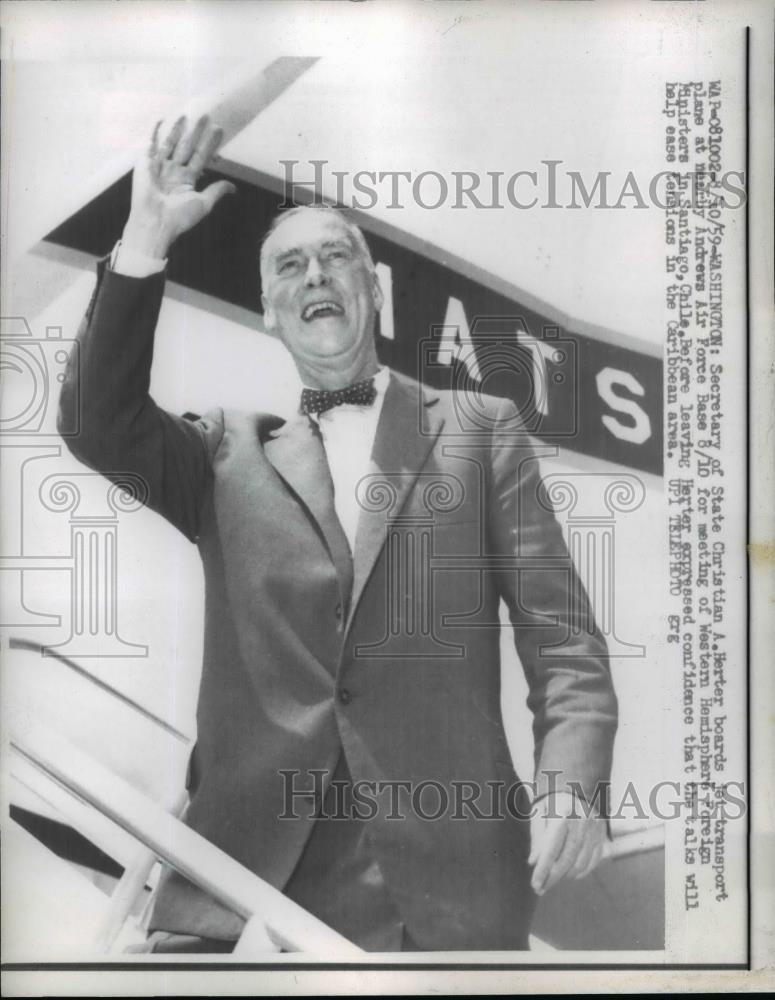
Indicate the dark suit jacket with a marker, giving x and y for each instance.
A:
(392, 656)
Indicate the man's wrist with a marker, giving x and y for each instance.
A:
(146, 237)
(133, 264)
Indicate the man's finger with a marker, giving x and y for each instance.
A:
(594, 845)
(537, 834)
(209, 141)
(174, 134)
(153, 147)
(556, 832)
(567, 856)
(594, 861)
(189, 142)
(154, 161)
(583, 857)
(214, 192)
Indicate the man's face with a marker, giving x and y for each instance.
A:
(320, 294)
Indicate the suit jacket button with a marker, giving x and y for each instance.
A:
(344, 696)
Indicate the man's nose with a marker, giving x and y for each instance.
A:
(315, 274)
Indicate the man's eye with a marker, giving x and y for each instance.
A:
(288, 266)
(337, 256)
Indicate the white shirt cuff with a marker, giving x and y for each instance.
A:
(124, 260)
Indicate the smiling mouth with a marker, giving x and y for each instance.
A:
(317, 310)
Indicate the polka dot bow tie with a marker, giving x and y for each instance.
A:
(319, 400)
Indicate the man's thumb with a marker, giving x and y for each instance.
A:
(213, 194)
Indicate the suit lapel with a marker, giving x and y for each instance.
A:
(298, 455)
(407, 430)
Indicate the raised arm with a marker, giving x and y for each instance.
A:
(106, 389)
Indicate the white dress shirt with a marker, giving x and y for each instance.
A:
(348, 431)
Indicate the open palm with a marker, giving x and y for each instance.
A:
(165, 202)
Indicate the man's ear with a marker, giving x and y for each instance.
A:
(270, 320)
(379, 298)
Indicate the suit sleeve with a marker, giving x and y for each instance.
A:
(571, 694)
(119, 429)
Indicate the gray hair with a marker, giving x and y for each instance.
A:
(338, 213)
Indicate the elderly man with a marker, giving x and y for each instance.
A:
(336, 657)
